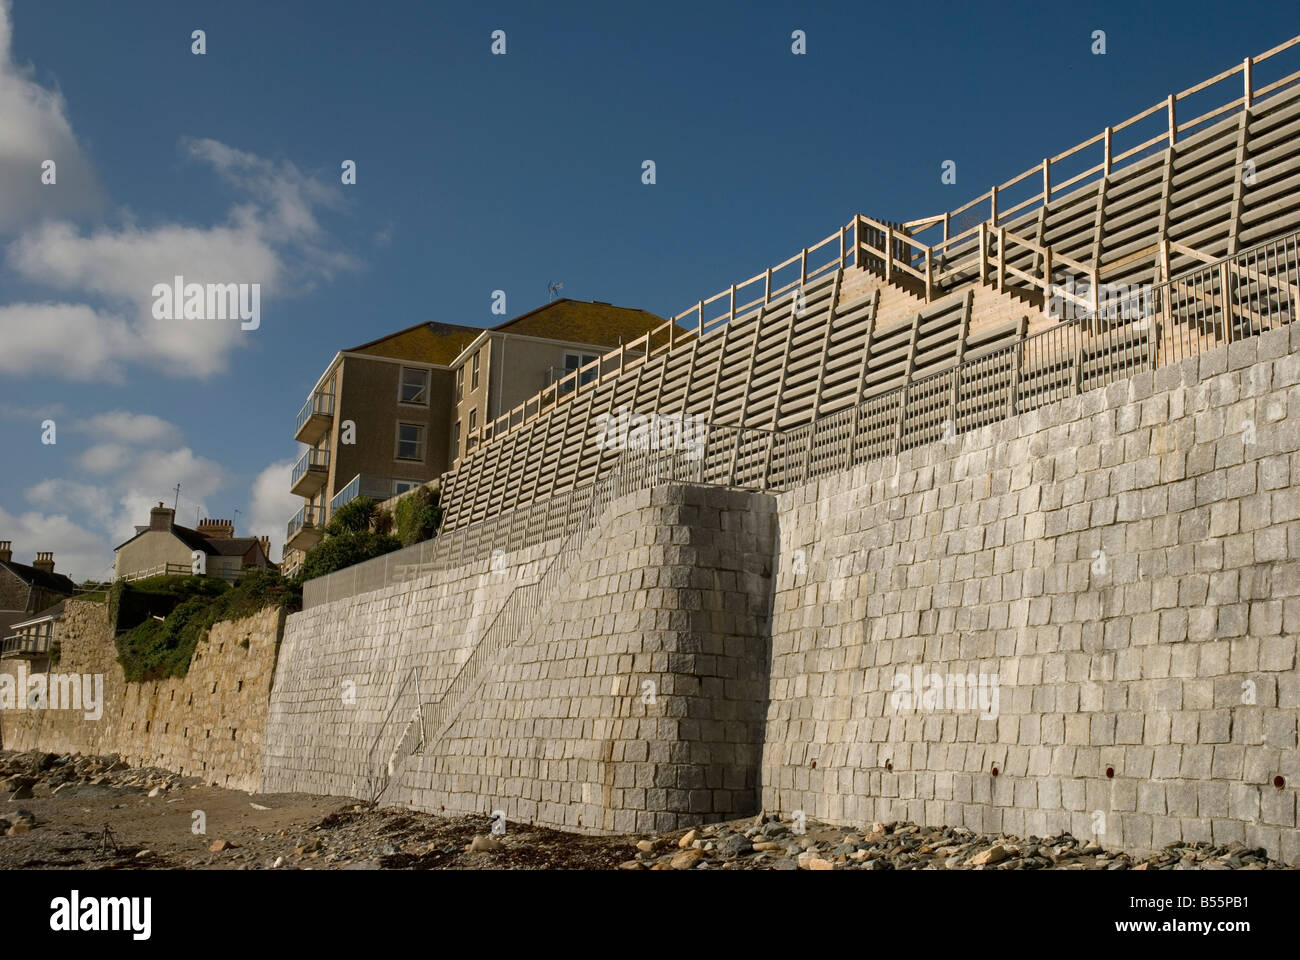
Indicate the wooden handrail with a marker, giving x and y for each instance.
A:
(1247, 99)
(924, 253)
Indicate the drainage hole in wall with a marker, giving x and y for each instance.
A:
(889, 765)
(1110, 773)
(814, 764)
(995, 770)
(1279, 782)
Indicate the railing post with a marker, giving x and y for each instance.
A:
(1096, 292)
(857, 241)
(1047, 276)
(929, 274)
(1227, 304)
(1013, 397)
(803, 266)
(733, 303)
(767, 286)
(699, 307)
(1249, 93)
(843, 252)
(1173, 122)
(853, 436)
(902, 413)
(1047, 181)
(1105, 169)
(1002, 258)
(889, 253)
(984, 252)
(993, 199)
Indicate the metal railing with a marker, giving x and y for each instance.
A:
(306, 517)
(310, 460)
(394, 743)
(317, 403)
(366, 485)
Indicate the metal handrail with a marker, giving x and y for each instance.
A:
(306, 516)
(317, 403)
(311, 459)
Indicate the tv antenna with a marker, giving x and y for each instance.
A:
(554, 288)
(177, 501)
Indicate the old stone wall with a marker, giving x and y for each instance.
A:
(208, 724)
(1126, 563)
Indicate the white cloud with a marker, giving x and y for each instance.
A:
(83, 521)
(60, 495)
(78, 552)
(134, 480)
(105, 458)
(35, 129)
(128, 427)
(99, 319)
(272, 504)
(70, 340)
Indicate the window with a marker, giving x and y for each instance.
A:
(573, 361)
(473, 420)
(403, 486)
(410, 441)
(455, 441)
(473, 381)
(460, 383)
(415, 386)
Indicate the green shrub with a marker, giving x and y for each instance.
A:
(353, 517)
(417, 516)
(157, 648)
(130, 604)
(343, 550)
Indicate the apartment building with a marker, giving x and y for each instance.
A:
(507, 364)
(397, 412)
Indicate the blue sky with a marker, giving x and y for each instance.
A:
(474, 173)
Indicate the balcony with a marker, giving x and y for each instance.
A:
(377, 488)
(315, 418)
(303, 533)
(310, 473)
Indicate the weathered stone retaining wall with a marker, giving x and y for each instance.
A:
(208, 724)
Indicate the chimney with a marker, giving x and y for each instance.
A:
(44, 562)
(217, 529)
(266, 547)
(160, 518)
(6, 551)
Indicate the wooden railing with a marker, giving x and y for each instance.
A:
(1043, 175)
(898, 250)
